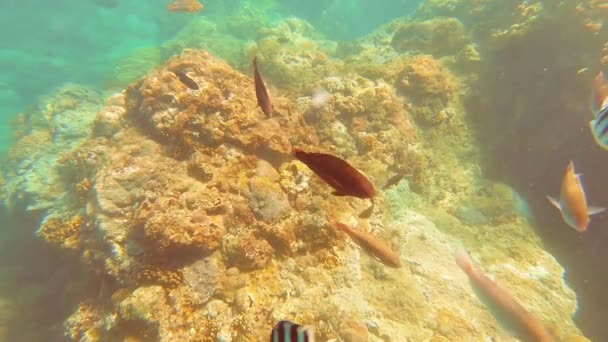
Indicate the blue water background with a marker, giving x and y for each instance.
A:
(44, 44)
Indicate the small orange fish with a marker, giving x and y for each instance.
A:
(528, 327)
(185, 6)
(261, 92)
(573, 202)
(372, 244)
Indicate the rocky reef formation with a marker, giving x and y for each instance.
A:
(531, 114)
(205, 228)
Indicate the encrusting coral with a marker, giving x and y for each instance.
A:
(64, 233)
(210, 229)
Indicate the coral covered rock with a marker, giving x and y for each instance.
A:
(190, 203)
(438, 37)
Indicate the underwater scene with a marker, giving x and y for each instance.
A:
(287, 170)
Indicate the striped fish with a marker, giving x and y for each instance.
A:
(286, 331)
(599, 105)
(599, 127)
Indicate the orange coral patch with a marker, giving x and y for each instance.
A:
(185, 6)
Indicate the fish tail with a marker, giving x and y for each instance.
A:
(463, 260)
(341, 227)
(555, 202)
(295, 150)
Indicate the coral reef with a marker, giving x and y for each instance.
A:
(303, 60)
(438, 37)
(56, 126)
(190, 202)
(61, 232)
(430, 87)
(134, 65)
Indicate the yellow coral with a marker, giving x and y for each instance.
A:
(63, 233)
(84, 186)
(157, 275)
(424, 76)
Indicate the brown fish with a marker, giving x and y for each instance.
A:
(372, 244)
(394, 180)
(185, 6)
(527, 325)
(186, 80)
(261, 92)
(339, 174)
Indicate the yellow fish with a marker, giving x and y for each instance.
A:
(572, 201)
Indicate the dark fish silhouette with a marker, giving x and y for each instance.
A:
(187, 81)
(260, 89)
(339, 174)
(394, 180)
(286, 331)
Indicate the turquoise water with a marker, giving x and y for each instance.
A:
(135, 206)
(43, 46)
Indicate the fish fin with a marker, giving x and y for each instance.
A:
(308, 331)
(555, 202)
(592, 210)
(463, 260)
(338, 193)
(367, 212)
